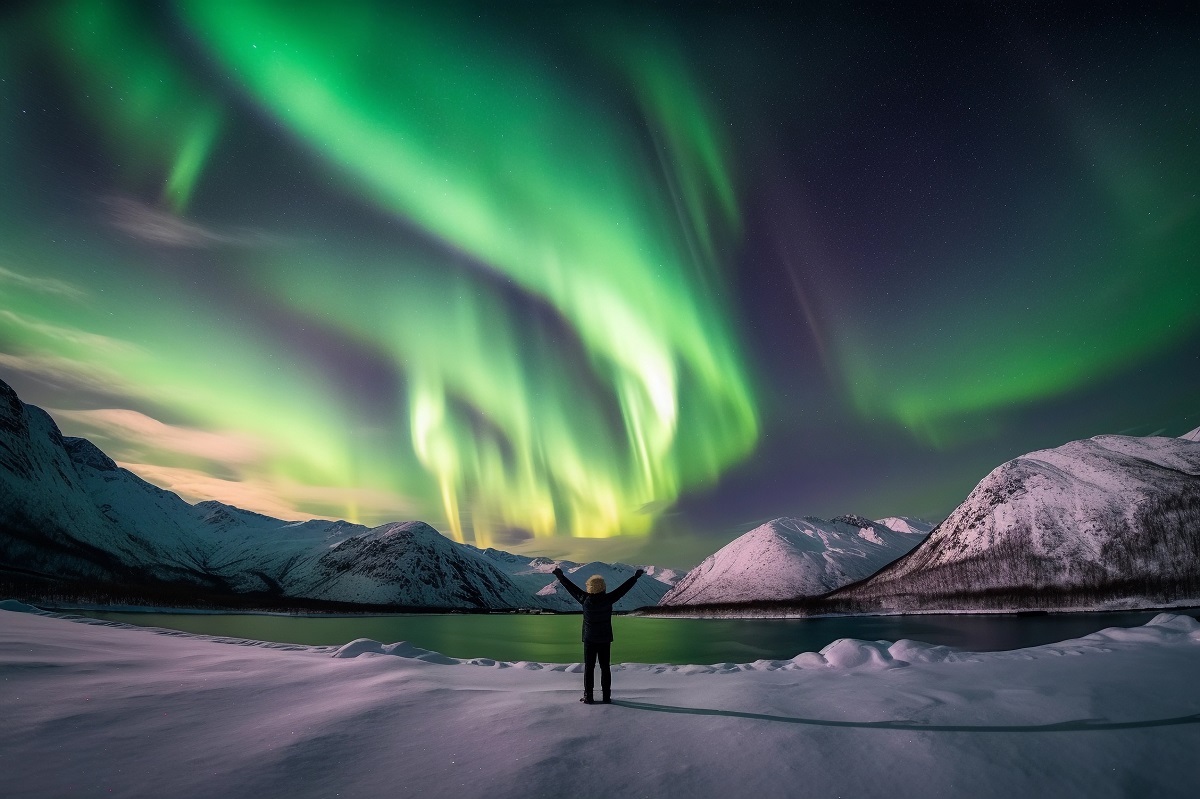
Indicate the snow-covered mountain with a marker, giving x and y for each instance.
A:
(69, 513)
(906, 524)
(1103, 517)
(50, 523)
(645, 592)
(535, 575)
(790, 558)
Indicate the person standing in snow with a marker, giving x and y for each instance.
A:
(597, 629)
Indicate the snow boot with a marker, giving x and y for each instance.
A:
(587, 699)
(606, 700)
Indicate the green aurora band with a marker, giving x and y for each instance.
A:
(1086, 291)
(547, 284)
(501, 162)
(137, 92)
(571, 425)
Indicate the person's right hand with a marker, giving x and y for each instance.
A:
(640, 572)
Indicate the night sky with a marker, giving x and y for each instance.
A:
(597, 280)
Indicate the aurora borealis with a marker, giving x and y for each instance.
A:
(593, 278)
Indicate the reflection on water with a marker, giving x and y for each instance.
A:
(640, 640)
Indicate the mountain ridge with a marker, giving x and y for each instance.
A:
(1106, 519)
(787, 558)
(71, 514)
(1092, 516)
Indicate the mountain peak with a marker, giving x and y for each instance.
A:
(854, 520)
(10, 406)
(412, 529)
(84, 453)
(787, 558)
(1092, 515)
(906, 524)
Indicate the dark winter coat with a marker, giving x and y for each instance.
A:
(597, 608)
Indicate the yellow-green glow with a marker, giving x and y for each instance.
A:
(564, 359)
(475, 264)
(508, 165)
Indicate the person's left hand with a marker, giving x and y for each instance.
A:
(640, 572)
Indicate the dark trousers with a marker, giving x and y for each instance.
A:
(593, 651)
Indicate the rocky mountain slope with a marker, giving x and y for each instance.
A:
(1098, 519)
(788, 558)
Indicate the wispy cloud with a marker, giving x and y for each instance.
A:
(43, 285)
(197, 486)
(281, 499)
(68, 374)
(154, 225)
(69, 335)
(148, 433)
(371, 505)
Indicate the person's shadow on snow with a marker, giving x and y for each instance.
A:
(1078, 725)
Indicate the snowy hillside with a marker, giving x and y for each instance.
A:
(404, 563)
(647, 591)
(49, 521)
(69, 513)
(789, 558)
(535, 575)
(1110, 514)
(906, 524)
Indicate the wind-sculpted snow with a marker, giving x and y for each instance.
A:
(365, 646)
(790, 558)
(844, 654)
(99, 707)
(1107, 514)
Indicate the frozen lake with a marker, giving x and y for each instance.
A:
(515, 637)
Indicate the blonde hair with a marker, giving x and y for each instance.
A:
(595, 584)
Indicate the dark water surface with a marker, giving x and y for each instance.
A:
(641, 640)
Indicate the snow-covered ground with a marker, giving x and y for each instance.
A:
(92, 708)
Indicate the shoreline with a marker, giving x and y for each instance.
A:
(1182, 604)
(1179, 605)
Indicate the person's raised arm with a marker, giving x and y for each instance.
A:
(574, 590)
(624, 587)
